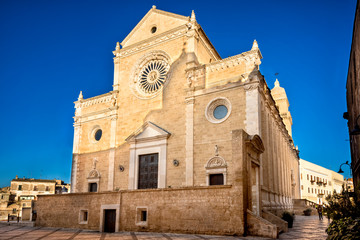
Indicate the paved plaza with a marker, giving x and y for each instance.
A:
(304, 228)
(307, 227)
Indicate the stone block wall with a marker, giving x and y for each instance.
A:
(203, 210)
(260, 227)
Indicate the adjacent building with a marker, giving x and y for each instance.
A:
(29, 188)
(185, 142)
(353, 98)
(8, 205)
(318, 182)
(18, 199)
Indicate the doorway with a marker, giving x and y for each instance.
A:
(109, 220)
(148, 171)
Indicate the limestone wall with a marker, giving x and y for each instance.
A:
(194, 210)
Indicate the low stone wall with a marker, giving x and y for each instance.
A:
(205, 210)
(300, 205)
(282, 225)
(260, 227)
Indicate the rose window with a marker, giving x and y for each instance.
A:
(150, 74)
(153, 76)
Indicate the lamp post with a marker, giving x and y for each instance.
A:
(346, 163)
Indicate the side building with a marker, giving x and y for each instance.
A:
(318, 182)
(185, 142)
(353, 99)
(29, 188)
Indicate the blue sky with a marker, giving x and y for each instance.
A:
(50, 50)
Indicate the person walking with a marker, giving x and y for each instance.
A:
(320, 209)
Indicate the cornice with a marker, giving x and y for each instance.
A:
(153, 41)
(147, 15)
(104, 98)
(222, 88)
(232, 61)
(208, 45)
(110, 112)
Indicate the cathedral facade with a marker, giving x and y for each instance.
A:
(185, 142)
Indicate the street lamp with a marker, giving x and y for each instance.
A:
(346, 163)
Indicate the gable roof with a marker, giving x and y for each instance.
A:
(147, 131)
(179, 20)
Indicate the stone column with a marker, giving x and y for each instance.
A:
(270, 154)
(284, 182)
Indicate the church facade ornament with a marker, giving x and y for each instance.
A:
(150, 74)
(216, 165)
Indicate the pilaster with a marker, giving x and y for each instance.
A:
(112, 153)
(74, 169)
(253, 116)
(117, 75)
(189, 145)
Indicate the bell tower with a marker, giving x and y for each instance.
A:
(282, 102)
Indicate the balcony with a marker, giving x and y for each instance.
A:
(320, 195)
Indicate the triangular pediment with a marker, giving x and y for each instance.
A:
(163, 21)
(147, 131)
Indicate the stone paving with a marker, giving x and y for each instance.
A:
(304, 228)
(307, 227)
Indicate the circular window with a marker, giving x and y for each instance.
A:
(153, 29)
(150, 75)
(95, 134)
(98, 134)
(218, 110)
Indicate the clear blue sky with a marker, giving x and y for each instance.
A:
(50, 50)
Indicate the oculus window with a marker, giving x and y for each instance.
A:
(98, 134)
(218, 110)
(95, 134)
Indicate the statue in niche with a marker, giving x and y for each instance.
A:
(216, 150)
(94, 163)
(113, 101)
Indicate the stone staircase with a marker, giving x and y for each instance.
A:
(302, 204)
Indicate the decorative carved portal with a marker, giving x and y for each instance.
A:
(148, 171)
(254, 149)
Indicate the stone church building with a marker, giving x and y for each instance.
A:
(185, 142)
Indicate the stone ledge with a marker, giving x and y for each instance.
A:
(143, 190)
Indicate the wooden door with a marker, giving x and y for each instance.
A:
(109, 220)
(148, 171)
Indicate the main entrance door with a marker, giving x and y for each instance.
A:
(148, 171)
(109, 220)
